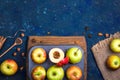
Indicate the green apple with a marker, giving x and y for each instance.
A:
(38, 73)
(38, 55)
(55, 73)
(74, 54)
(8, 67)
(74, 73)
(115, 45)
(113, 62)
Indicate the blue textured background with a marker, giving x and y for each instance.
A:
(60, 18)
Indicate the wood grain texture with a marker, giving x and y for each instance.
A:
(60, 40)
(101, 52)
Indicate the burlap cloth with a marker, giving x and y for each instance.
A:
(101, 51)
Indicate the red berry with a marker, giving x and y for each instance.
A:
(59, 64)
(63, 62)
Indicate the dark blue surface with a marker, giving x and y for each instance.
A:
(60, 18)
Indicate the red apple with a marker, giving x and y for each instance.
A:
(74, 73)
(8, 67)
(38, 73)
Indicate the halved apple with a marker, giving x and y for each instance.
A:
(56, 55)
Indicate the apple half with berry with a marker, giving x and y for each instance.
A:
(8, 67)
(38, 73)
(55, 73)
(56, 55)
(74, 73)
(38, 55)
(74, 54)
(115, 45)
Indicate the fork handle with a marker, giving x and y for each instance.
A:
(7, 50)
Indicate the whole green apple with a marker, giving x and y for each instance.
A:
(55, 73)
(113, 62)
(115, 45)
(8, 67)
(74, 54)
(38, 73)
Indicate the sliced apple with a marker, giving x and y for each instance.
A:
(56, 55)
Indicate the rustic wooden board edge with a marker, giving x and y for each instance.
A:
(48, 40)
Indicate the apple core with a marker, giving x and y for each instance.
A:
(56, 54)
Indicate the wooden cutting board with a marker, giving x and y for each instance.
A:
(101, 52)
(60, 40)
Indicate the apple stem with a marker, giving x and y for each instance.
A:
(76, 52)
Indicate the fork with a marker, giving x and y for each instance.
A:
(2, 40)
